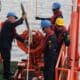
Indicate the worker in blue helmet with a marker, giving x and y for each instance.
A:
(45, 23)
(12, 14)
(56, 6)
(8, 33)
(56, 12)
(50, 50)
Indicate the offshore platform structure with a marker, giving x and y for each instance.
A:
(68, 57)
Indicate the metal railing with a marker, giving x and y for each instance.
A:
(62, 70)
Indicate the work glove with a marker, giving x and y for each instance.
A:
(24, 15)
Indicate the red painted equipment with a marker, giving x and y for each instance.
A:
(35, 59)
(36, 38)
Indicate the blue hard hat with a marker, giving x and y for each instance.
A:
(56, 5)
(12, 14)
(45, 23)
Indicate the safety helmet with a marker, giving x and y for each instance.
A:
(56, 5)
(45, 23)
(12, 14)
(59, 21)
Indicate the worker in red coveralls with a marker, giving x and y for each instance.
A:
(62, 36)
(56, 13)
(50, 50)
(7, 34)
(61, 33)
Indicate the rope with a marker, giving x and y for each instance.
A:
(29, 41)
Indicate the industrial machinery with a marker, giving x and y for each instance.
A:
(36, 64)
